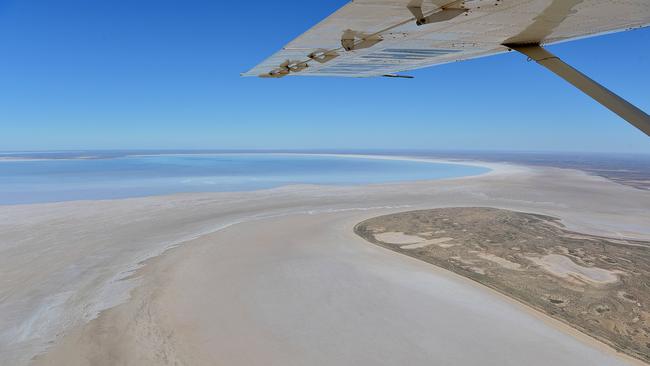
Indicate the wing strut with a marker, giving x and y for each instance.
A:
(602, 95)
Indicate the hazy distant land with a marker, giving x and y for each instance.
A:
(628, 169)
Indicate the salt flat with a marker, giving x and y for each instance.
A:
(278, 277)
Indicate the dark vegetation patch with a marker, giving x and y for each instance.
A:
(616, 313)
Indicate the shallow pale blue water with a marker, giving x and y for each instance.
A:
(105, 177)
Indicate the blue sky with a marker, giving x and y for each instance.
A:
(165, 74)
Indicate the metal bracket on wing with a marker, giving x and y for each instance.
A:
(323, 56)
(441, 15)
(352, 40)
(285, 68)
(398, 76)
(297, 66)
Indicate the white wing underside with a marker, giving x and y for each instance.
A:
(386, 39)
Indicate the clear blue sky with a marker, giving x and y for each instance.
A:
(165, 74)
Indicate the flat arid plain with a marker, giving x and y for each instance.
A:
(279, 277)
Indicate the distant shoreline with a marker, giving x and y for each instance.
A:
(624, 168)
(29, 180)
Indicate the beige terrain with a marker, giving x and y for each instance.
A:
(278, 277)
(593, 283)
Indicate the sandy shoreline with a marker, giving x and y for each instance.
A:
(68, 268)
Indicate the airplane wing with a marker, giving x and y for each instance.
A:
(382, 37)
(377, 37)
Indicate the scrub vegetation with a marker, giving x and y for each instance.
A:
(596, 284)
